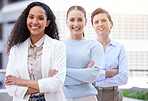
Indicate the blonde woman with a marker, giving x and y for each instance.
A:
(80, 52)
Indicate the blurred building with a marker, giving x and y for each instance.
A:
(129, 29)
(9, 12)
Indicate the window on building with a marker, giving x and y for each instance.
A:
(0, 31)
(12, 1)
(1, 4)
(0, 60)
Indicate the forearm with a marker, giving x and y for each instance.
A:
(117, 80)
(12, 80)
(111, 73)
(90, 74)
(32, 91)
(71, 81)
(108, 73)
(31, 84)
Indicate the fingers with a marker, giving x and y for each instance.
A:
(9, 83)
(82, 82)
(115, 71)
(94, 83)
(91, 64)
(9, 76)
(9, 80)
(53, 73)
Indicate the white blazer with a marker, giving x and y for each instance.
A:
(53, 57)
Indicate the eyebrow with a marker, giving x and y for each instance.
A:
(75, 17)
(38, 15)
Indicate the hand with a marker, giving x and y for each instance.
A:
(111, 73)
(114, 71)
(91, 64)
(12, 80)
(94, 83)
(82, 82)
(53, 73)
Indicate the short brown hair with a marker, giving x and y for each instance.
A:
(98, 11)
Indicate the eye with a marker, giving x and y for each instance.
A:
(31, 17)
(41, 18)
(80, 19)
(96, 22)
(71, 19)
(103, 20)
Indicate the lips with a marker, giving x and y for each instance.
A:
(34, 27)
(100, 28)
(76, 29)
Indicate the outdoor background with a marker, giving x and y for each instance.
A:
(130, 18)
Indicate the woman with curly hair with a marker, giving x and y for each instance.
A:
(37, 60)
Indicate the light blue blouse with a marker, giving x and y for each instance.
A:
(79, 53)
(115, 57)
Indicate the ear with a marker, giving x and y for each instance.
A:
(111, 24)
(47, 23)
(85, 21)
(67, 21)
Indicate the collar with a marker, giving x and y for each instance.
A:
(39, 43)
(113, 43)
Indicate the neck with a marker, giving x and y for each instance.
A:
(76, 37)
(35, 38)
(103, 41)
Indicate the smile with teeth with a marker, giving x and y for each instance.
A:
(76, 29)
(34, 27)
(100, 28)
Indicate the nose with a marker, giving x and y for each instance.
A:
(35, 21)
(76, 23)
(100, 23)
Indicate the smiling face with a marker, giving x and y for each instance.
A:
(37, 21)
(102, 25)
(76, 21)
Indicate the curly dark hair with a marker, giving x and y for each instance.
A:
(20, 31)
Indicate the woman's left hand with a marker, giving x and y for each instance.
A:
(12, 80)
(91, 64)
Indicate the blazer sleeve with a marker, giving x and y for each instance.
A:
(59, 63)
(14, 90)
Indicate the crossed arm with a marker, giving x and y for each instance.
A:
(108, 73)
(31, 84)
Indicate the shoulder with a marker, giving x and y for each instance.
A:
(53, 41)
(95, 43)
(64, 41)
(117, 44)
(55, 44)
(20, 46)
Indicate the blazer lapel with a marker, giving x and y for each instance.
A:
(23, 61)
(46, 57)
